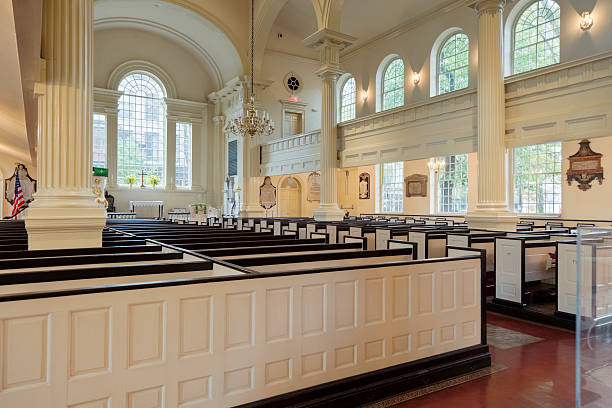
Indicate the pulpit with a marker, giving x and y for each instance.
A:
(147, 209)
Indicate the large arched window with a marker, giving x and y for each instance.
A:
(536, 40)
(141, 127)
(393, 85)
(453, 64)
(347, 100)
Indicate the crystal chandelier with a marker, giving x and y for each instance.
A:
(254, 123)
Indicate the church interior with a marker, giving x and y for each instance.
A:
(305, 203)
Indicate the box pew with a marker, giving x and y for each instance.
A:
(366, 231)
(397, 244)
(431, 243)
(337, 231)
(595, 278)
(519, 260)
(399, 324)
(477, 239)
(323, 260)
(254, 252)
(384, 234)
(353, 239)
(244, 244)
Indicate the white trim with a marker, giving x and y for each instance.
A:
(155, 71)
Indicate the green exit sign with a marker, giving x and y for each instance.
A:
(100, 172)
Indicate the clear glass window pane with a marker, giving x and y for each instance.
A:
(347, 104)
(536, 36)
(183, 155)
(453, 184)
(453, 64)
(99, 140)
(537, 179)
(393, 85)
(141, 134)
(393, 187)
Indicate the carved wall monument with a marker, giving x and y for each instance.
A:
(416, 185)
(585, 166)
(364, 186)
(267, 194)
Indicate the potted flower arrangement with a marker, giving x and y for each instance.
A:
(131, 180)
(154, 180)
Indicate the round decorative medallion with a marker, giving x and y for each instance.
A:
(293, 83)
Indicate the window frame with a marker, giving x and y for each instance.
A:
(559, 173)
(400, 176)
(164, 124)
(341, 105)
(383, 80)
(439, 179)
(188, 156)
(93, 144)
(522, 9)
(447, 38)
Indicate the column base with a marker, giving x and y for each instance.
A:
(328, 212)
(497, 220)
(253, 211)
(64, 222)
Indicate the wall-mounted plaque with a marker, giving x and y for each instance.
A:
(364, 186)
(314, 186)
(267, 194)
(416, 185)
(28, 185)
(585, 166)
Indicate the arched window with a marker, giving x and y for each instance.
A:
(141, 127)
(536, 41)
(393, 85)
(347, 100)
(453, 64)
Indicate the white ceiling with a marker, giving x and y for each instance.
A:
(363, 19)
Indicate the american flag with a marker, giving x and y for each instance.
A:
(18, 200)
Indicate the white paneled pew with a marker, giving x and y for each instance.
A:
(476, 239)
(323, 259)
(519, 260)
(337, 231)
(397, 244)
(431, 244)
(265, 251)
(219, 342)
(384, 234)
(595, 279)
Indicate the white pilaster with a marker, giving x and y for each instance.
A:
(492, 209)
(329, 43)
(171, 152)
(64, 213)
(106, 102)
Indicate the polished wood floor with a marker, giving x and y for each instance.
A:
(538, 375)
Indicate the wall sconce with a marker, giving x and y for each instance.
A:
(435, 164)
(364, 95)
(586, 21)
(416, 78)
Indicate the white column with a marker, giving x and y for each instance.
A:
(111, 147)
(216, 155)
(64, 213)
(492, 208)
(251, 206)
(171, 152)
(329, 44)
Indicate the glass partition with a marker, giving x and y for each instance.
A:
(591, 258)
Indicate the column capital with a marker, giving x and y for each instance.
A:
(329, 43)
(488, 6)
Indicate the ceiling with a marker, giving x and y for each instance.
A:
(363, 19)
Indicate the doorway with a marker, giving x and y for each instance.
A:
(290, 198)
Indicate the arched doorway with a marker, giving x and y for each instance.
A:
(290, 198)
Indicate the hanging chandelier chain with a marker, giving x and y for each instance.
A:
(252, 122)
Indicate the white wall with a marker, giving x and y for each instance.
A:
(113, 47)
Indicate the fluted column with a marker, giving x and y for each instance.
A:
(64, 213)
(329, 43)
(250, 194)
(492, 207)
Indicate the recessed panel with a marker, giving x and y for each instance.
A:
(147, 398)
(314, 310)
(314, 363)
(447, 333)
(468, 329)
(375, 301)
(425, 339)
(374, 350)
(400, 344)
(195, 325)
(89, 341)
(239, 310)
(279, 314)
(425, 285)
(468, 277)
(345, 356)
(345, 307)
(237, 381)
(195, 390)
(447, 299)
(278, 371)
(99, 403)
(401, 297)
(146, 332)
(24, 351)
